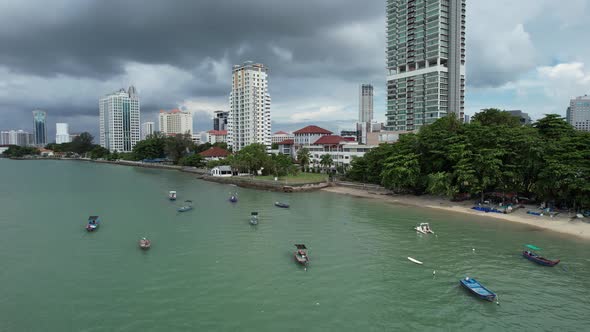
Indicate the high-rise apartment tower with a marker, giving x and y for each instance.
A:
(425, 61)
(249, 101)
(119, 120)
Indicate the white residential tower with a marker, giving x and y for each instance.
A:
(119, 120)
(249, 101)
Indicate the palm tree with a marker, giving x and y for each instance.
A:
(304, 157)
(326, 161)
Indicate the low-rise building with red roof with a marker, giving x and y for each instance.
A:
(214, 153)
(309, 134)
(280, 136)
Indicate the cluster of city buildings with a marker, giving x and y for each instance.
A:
(38, 138)
(425, 63)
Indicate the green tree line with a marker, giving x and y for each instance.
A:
(548, 160)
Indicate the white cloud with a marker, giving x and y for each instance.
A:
(284, 54)
(323, 113)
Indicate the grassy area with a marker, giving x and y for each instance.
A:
(299, 178)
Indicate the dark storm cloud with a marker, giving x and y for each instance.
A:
(96, 38)
(70, 52)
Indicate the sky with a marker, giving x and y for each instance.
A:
(62, 56)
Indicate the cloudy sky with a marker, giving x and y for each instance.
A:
(62, 55)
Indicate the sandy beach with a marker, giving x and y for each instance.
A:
(561, 223)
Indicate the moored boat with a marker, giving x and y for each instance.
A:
(477, 289)
(188, 205)
(424, 228)
(93, 223)
(301, 256)
(538, 259)
(254, 218)
(172, 195)
(145, 243)
(233, 198)
(531, 256)
(282, 205)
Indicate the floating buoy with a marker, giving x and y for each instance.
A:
(473, 249)
(434, 272)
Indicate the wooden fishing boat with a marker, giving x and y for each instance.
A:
(477, 289)
(301, 256)
(424, 228)
(254, 218)
(145, 243)
(172, 195)
(282, 205)
(188, 205)
(93, 223)
(531, 256)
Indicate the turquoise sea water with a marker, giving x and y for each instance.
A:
(209, 270)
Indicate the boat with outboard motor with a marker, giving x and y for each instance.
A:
(533, 257)
(424, 228)
(172, 195)
(477, 289)
(282, 205)
(301, 256)
(254, 218)
(93, 223)
(145, 243)
(233, 198)
(188, 205)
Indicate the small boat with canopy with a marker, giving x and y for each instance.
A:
(254, 218)
(477, 289)
(301, 256)
(529, 254)
(424, 228)
(188, 205)
(93, 223)
(172, 195)
(145, 243)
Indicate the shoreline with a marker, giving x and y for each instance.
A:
(561, 223)
(203, 174)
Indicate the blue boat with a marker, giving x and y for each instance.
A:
(93, 223)
(533, 257)
(188, 205)
(233, 198)
(477, 289)
(282, 205)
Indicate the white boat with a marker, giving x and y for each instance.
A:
(415, 260)
(254, 218)
(424, 228)
(172, 195)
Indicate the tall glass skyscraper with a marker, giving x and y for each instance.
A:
(425, 61)
(40, 126)
(119, 120)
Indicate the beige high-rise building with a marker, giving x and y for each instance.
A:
(175, 122)
(249, 114)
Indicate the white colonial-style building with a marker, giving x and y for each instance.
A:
(221, 171)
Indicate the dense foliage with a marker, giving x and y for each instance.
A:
(80, 145)
(15, 151)
(254, 159)
(549, 160)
